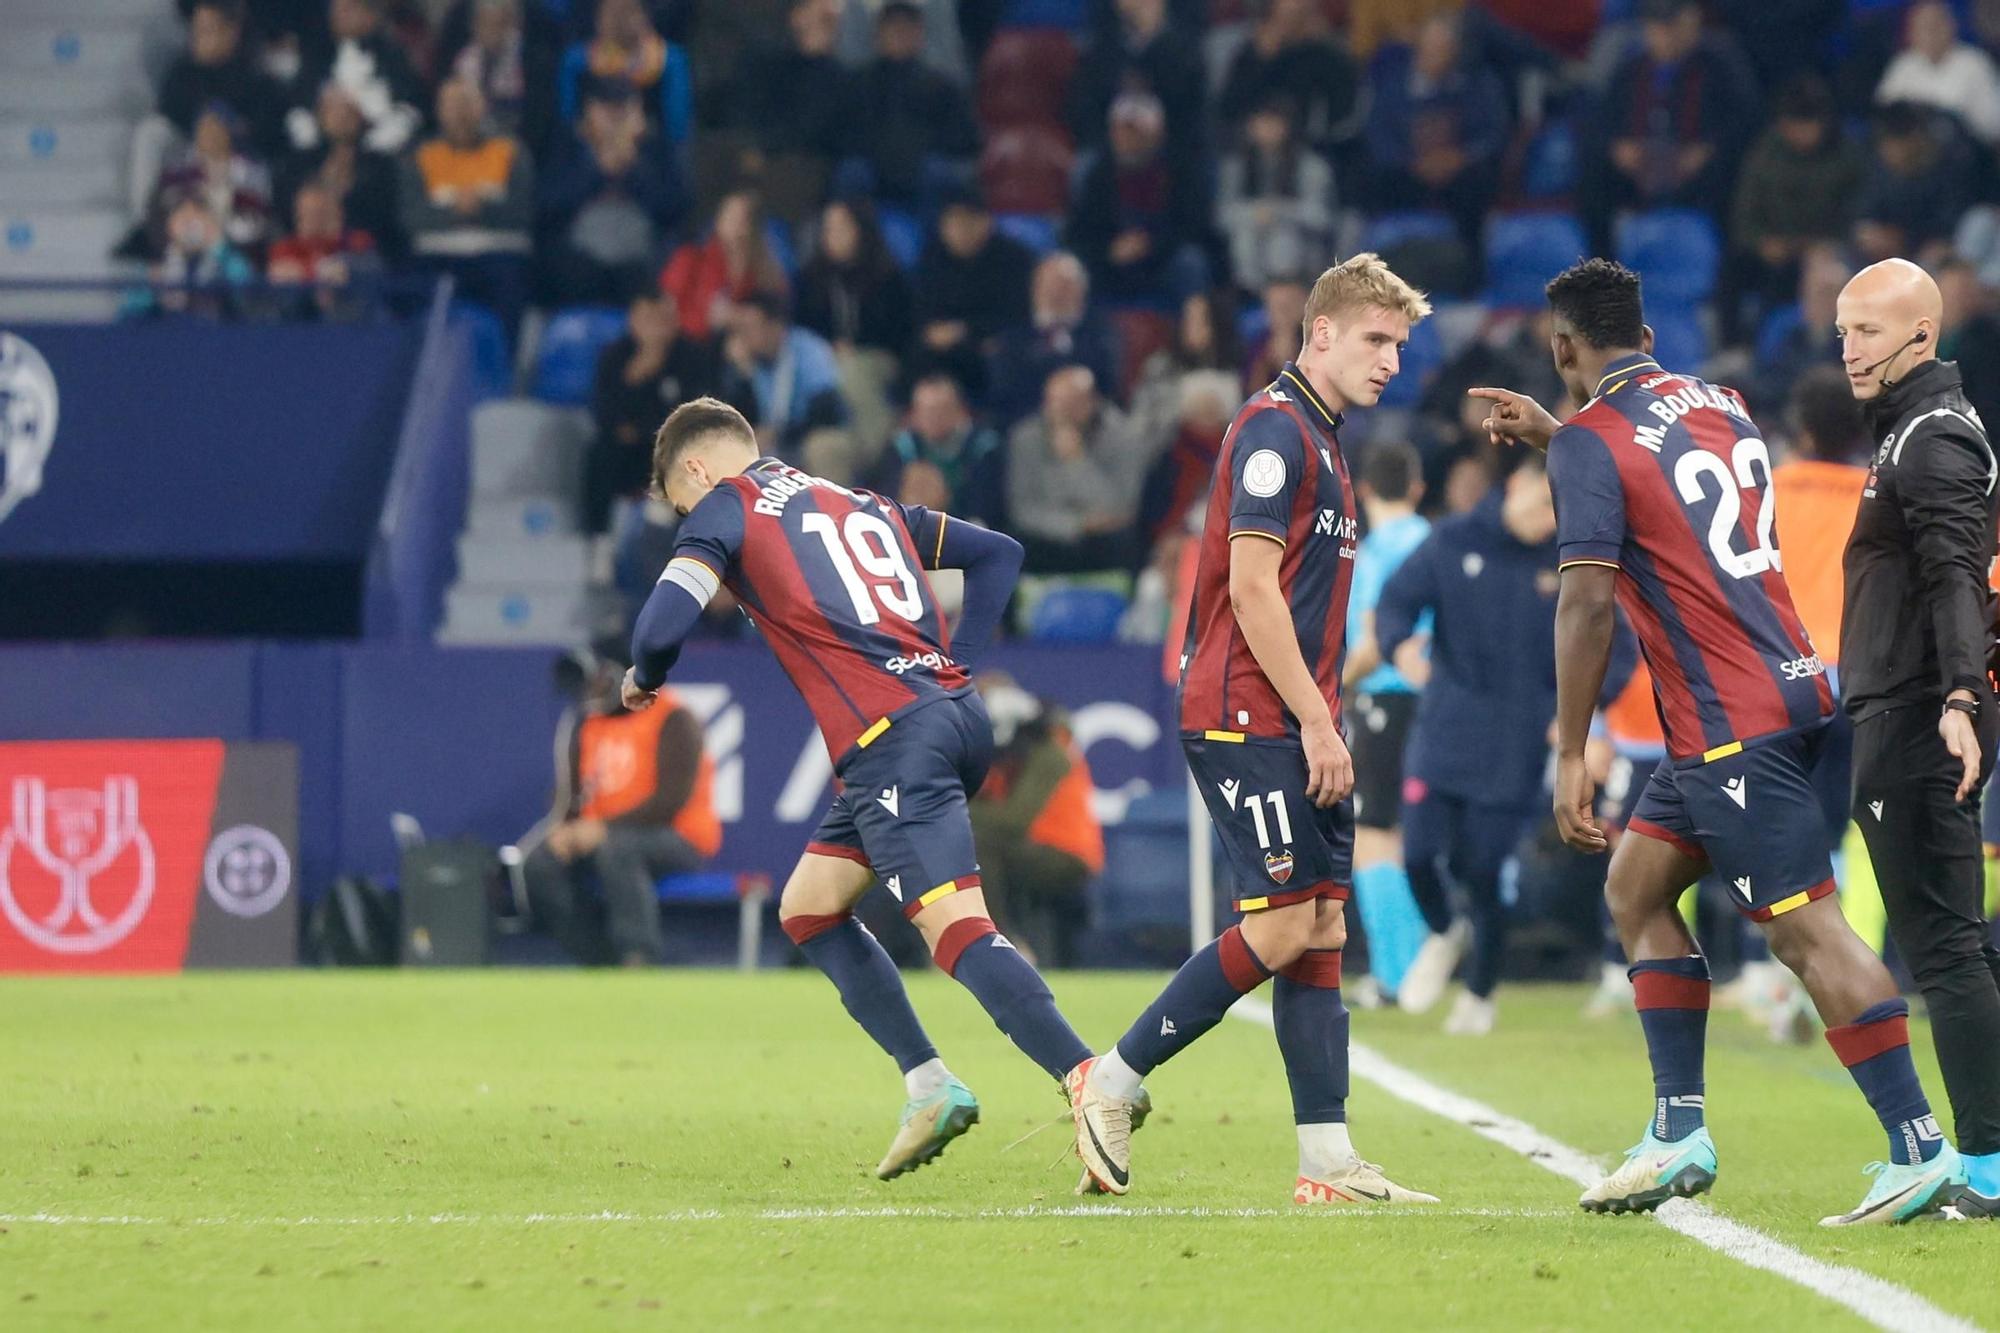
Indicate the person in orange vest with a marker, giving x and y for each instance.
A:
(634, 802)
(1038, 840)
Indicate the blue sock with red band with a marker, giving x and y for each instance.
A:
(1224, 971)
(870, 986)
(1312, 1026)
(1671, 995)
(1875, 1047)
(975, 954)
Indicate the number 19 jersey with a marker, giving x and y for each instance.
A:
(1664, 478)
(834, 578)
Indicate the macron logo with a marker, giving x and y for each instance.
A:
(894, 884)
(1743, 886)
(1167, 1028)
(891, 798)
(1229, 790)
(1737, 792)
(1875, 808)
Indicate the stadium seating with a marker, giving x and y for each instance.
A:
(902, 233)
(567, 359)
(1777, 326)
(1390, 230)
(1548, 168)
(492, 367)
(1077, 614)
(1024, 77)
(1525, 250)
(1675, 251)
(1069, 14)
(1039, 232)
(1679, 340)
(1026, 170)
(749, 892)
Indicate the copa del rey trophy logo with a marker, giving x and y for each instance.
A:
(89, 847)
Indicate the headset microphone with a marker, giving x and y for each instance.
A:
(1921, 335)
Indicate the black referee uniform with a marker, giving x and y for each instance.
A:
(1915, 628)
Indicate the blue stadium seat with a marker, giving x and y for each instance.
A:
(567, 361)
(1070, 14)
(697, 887)
(1038, 231)
(1679, 341)
(1549, 170)
(779, 237)
(1078, 615)
(1777, 326)
(1525, 250)
(1421, 359)
(1393, 229)
(1675, 250)
(492, 366)
(903, 233)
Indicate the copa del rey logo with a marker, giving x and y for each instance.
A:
(91, 844)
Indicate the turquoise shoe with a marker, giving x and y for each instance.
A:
(928, 1125)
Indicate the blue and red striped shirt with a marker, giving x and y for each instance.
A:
(1280, 476)
(1666, 479)
(834, 578)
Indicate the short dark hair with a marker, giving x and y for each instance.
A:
(1599, 299)
(1391, 470)
(693, 421)
(1822, 407)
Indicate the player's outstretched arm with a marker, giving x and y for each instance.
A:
(1585, 623)
(1516, 418)
(991, 562)
(710, 537)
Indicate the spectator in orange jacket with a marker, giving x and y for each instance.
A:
(1038, 839)
(635, 802)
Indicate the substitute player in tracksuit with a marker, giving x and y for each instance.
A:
(1474, 768)
(834, 578)
(1662, 501)
(1261, 728)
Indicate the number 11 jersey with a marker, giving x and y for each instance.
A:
(1664, 478)
(834, 578)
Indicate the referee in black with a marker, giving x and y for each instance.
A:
(1915, 630)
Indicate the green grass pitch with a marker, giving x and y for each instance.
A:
(675, 1150)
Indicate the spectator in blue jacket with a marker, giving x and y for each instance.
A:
(607, 201)
(1481, 742)
(1437, 127)
(790, 371)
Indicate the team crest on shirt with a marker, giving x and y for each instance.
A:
(1278, 865)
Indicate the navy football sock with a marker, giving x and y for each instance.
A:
(869, 985)
(976, 955)
(1312, 1036)
(1876, 1050)
(1193, 1002)
(1672, 998)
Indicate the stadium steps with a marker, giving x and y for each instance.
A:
(523, 571)
(73, 78)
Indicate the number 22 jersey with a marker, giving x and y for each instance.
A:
(834, 578)
(1664, 478)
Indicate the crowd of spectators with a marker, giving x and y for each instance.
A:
(1030, 274)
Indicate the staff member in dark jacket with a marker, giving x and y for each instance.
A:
(1473, 775)
(1915, 630)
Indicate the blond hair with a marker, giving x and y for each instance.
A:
(1362, 282)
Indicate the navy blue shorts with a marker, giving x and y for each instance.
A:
(1282, 848)
(1754, 816)
(901, 807)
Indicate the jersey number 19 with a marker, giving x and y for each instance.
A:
(863, 543)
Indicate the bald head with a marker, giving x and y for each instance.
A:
(1888, 317)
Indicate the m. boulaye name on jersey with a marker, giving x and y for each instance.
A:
(1666, 479)
(834, 579)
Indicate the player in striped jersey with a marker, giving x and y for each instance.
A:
(834, 578)
(1260, 724)
(1662, 488)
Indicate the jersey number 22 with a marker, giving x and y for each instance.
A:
(1696, 467)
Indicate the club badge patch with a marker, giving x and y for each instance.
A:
(1278, 865)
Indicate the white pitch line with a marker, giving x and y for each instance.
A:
(1877, 1300)
(699, 1215)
